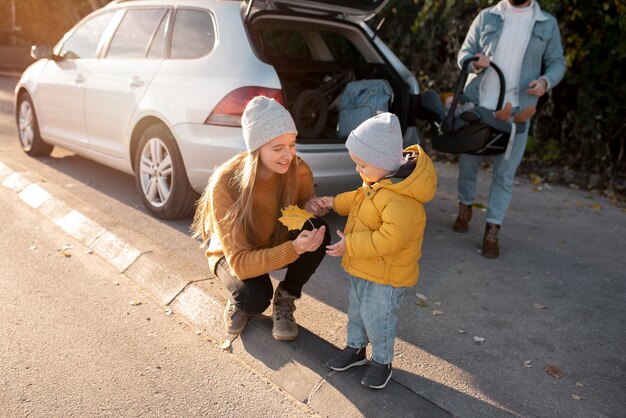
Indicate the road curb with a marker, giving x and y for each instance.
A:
(297, 367)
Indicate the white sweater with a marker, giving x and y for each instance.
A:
(510, 50)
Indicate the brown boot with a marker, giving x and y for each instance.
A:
(461, 224)
(235, 320)
(283, 306)
(490, 241)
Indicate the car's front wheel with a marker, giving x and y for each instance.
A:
(160, 175)
(28, 128)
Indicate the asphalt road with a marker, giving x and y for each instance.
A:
(554, 300)
(79, 339)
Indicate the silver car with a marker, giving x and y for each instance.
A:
(156, 88)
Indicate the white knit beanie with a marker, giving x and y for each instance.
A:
(263, 120)
(378, 141)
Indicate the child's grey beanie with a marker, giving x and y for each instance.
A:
(263, 120)
(378, 141)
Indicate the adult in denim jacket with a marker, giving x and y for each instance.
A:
(524, 52)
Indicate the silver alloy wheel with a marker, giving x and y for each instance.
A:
(26, 126)
(156, 172)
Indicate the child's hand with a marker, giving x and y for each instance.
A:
(319, 206)
(338, 249)
(316, 206)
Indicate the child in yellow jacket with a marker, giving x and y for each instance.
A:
(382, 240)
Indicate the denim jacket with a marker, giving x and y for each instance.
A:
(544, 51)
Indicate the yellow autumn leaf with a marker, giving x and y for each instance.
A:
(294, 217)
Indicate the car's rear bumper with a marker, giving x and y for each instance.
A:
(205, 147)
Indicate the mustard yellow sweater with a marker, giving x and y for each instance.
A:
(248, 263)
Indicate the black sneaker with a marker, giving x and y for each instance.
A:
(377, 375)
(348, 357)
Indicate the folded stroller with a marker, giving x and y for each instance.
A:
(474, 131)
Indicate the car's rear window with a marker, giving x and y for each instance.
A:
(193, 35)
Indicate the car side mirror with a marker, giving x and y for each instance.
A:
(42, 52)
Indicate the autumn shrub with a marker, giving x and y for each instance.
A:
(580, 124)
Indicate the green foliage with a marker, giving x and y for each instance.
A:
(581, 123)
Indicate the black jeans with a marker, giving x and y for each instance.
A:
(254, 295)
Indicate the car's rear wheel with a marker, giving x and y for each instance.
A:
(160, 175)
(28, 128)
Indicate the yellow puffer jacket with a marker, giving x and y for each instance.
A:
(386, 222)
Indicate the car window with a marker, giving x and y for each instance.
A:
(134, 33)
(83, 42)
(281, 43)
(343, 51)
(157, 47)
(193, 35)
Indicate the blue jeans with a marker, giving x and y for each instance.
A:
(502, 178)
(372, 317)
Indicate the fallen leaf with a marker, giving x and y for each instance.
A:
(538, 306)
(577, 397)
(528, 364)
(294, 217)
(134, 303)
(479, 340)
(579, 204)
(420, 296)
(596, 206)
(225, 344)
(437, 312)
(479, 205)
(536, 178)
(462, 331)
(438, 303)
(422, 303)
(580, 385)
(554, 372)
(67, 253)
(33, 247)
(538, 188)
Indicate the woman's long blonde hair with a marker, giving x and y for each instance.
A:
(240, 219)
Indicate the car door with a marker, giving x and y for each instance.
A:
(60, 90)
(119, 80)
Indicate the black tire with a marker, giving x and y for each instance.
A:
(310, 113)
(160, 175)
(28, 128)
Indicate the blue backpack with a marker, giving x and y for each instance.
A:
(361, 100)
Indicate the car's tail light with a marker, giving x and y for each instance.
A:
(229, 110)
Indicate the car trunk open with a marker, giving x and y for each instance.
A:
(315, 59)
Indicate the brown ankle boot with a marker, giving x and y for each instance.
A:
(461, 224)
(490, 241)
(283, 306)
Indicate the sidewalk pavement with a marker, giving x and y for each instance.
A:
(475, 336)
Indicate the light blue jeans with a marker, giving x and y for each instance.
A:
(372, 317)
(502, 178)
